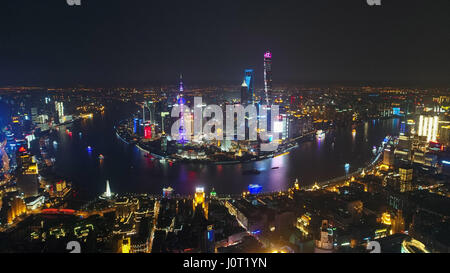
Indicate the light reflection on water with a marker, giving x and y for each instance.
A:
(129, 171)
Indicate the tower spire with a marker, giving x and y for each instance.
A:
(181, 83)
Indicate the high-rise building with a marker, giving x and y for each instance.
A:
(244, 91)
(406, 176)
(12, 207)
(268, 76)
(27, 178)
(208, 240)
(181, 101)
(59, 106)
(247, 88)
(388, 157)
(428, 126)
(402, 152)
(135, 125)
(444, 135)
(148, 131)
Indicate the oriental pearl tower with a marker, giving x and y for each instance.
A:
(181, 102)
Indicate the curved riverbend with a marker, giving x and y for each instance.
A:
(129, 171)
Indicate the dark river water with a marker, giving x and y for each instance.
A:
(129, 171)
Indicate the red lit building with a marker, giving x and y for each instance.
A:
(148, 131)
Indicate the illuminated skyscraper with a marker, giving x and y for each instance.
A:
(27, 177)
(247, 88)
(148, 131)
(199, 201)
(135, 125)
(181, 101)
(244, 90)
(428, 126)
(59, 106)
(268, 76)
(406, 176)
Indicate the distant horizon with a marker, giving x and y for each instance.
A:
(257, 85)
(137, 43)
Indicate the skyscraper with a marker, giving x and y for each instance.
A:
(181, 101)
(268, 76)
(27, 176)
(247, 88)
(244, 90)
(428, 126)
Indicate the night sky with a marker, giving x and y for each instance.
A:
(140, 43)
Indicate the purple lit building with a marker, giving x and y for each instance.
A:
(268, 76)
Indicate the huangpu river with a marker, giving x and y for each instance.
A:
(125, 166)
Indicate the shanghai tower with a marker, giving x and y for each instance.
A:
(268, 76)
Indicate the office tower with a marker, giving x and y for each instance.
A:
(12, 207)
(27, 177)
(135, 125)
(388, 157)
(247, 88)
(403, 150)
(147, 131)
(143, 113)
(406, 175)
(268, 76)
(34, 115)
(59, 106)
(152, 112)
(208, 240)
(428, 126)
(244, 91)
(444, 135)
(164, 142)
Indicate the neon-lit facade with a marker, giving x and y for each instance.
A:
(135, 125)
(254, 188)
(180, 101)
(148, 132)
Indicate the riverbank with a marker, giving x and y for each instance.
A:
(290, 145)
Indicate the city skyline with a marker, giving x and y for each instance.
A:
(239, 127)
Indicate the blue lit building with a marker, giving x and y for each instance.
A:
(135, 125)
(247, 88)
(254, 188)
